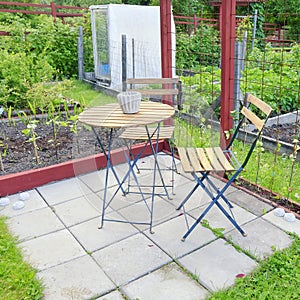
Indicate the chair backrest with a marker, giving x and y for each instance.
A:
(257, 113)
(163, 87)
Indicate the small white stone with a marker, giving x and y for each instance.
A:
(4, 201)
(18, 205)
(24, 196)
(279, 212)
(289, 217)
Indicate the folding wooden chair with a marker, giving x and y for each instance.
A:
(169, 89)
(201, 162)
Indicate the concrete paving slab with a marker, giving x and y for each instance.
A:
(293, 227)
(130, 259)
(248, 202)
(198, 198)
(262, 237)
(217, 219)
(169, 282)
(62, 191)
(168, 237)
(34, 224)
(49, 250)
(139, 212)
(217, 264)
(120, 201)
(34, 202)
(80, 278)
(115, 295)
(96, 180)
(79, 210)
(92, 238)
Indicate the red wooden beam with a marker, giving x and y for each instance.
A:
(166, 39)
(228, 10)
(166, 48)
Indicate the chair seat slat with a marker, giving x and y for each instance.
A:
(223, 160)
(194, 160)
(185, 160)
(203, 159)
(214, 160)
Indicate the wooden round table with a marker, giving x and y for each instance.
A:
(111, 116)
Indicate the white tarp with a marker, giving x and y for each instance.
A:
(141, 25)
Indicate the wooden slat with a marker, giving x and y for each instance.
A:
(139, 133)
(184, 160)
(253, 118)
(223, 160)
(151, 80)
(203, 159)
(194, 160)
(263, 106)
(111, 115)
(153, 92)
(214, 160)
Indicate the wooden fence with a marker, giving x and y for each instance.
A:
(56, 11)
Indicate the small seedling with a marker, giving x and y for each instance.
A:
(30, 132)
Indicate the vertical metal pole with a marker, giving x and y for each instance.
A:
(133, 59)
(124, 63)
(254, 28)
(227, 75)
(80, 53)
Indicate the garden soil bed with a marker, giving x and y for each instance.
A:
(18, 153)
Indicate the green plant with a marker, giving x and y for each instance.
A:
(202, 90)
(273, 75)
(275, 278)
(30, 133)
(202, 48)
(17, 278)
(3, 153)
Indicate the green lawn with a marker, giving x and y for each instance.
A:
(277, 277)
(17, 278)
(82, 92)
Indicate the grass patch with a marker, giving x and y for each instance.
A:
(279, 174)
(17, 278)
(82, 92)
(277, 277)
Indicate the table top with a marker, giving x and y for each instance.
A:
(112, 116)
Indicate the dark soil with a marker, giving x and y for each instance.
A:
(283, 132)
(18, 153)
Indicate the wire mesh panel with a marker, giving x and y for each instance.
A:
(100, 42)
(141, 27)
(266, 63)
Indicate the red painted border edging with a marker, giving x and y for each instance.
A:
(14, 183)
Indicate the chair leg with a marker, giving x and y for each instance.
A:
(215, 199)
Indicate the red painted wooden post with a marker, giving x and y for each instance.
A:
(53, 11)
(166, 40)
(166, 47)
(227, 76)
